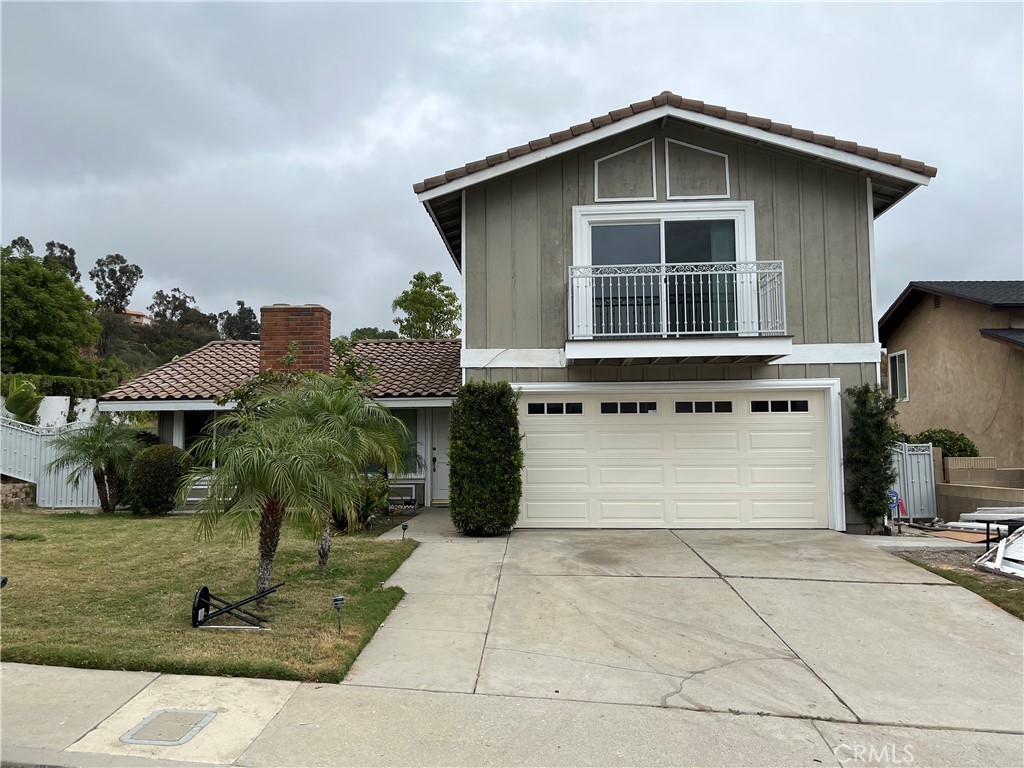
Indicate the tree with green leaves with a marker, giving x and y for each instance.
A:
(22, 246)
(105, 448)
(180, 325)
(431, 308)
(63, 256)
(46, 321)
(295, 450)
(372, 332)
(115, 280)
(241, 324)
(870, 468)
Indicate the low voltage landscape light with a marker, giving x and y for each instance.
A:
(338, 601)
(405, 527)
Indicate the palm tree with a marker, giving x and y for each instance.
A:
(105, 448)
(295, 451)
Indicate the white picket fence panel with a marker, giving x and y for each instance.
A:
(26, 450)
(915, 479)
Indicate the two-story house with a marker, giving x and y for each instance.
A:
(681, 293)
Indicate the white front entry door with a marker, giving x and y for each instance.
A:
(439, 456)
(656, 459)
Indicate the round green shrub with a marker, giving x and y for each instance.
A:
(153, 479)
(951, 442)
(485, 459)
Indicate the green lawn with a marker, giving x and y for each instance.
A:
(115, 592)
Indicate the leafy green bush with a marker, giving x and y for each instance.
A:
(486, 459)
(22, 400)
(371, 499)
(64, 386)
(153, 479)
(870, 469)
(951, 442)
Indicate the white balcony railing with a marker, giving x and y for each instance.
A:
(744, 298)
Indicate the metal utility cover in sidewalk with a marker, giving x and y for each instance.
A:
(169, 727)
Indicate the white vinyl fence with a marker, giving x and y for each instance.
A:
(24, 453)
(915, 479)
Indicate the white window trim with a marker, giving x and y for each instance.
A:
(740, 212)
(668, 177)
(654, 176)
(906, 376)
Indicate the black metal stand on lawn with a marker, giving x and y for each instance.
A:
(206, 606)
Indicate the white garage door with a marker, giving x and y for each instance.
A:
(675, 460)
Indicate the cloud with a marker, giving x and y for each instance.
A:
(266, 152)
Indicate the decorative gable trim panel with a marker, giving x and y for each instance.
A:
(628, 175)
(693, 172)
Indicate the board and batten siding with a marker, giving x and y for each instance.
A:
(518, 249)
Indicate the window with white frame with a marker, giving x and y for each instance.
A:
(663, 269)
(898, 376)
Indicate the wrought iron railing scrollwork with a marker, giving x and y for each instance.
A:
(745, 298)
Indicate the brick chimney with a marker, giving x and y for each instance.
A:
(308, 326)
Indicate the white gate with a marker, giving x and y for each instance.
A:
(915, 480)
(24, 453)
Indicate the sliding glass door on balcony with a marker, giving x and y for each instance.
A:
(700, 300)
(627, 297)
(659, 279)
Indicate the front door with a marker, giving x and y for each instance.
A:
(439, 457)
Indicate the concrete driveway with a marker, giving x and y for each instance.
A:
(796, 624)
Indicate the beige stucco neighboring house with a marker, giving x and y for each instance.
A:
(681, 292)
(956, 360)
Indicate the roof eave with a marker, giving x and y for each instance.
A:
(985, 334)
(866, 164)
(168, 404)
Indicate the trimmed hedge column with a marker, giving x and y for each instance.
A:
(870, 469)
(485, 459)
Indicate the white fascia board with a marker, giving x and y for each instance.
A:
(739, 346)
(163, 405)
(812, 354)
(513, 358)
(731, 385)
(415, 402)
(757, 134)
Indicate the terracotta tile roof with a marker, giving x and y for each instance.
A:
(407, 367)
(214, 370)
(667, 98)
(414, 367)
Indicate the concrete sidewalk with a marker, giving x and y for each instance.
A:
(47, 723)
(595, 648)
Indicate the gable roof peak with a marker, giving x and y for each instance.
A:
(675, 101)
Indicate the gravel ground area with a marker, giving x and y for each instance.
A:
(961, 560)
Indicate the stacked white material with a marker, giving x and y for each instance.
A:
(1007, 556)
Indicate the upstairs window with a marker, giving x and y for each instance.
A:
(664, 269)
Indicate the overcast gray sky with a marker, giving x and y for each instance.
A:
(266, 152)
